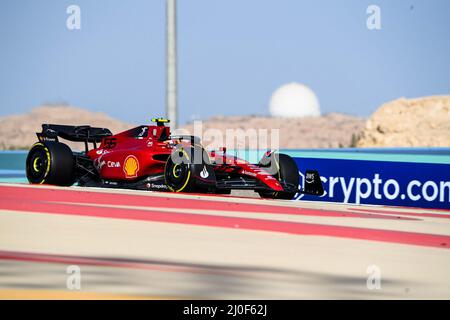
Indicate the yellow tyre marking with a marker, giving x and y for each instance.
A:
(185, 184)
(188, 175)
(35, 164)
(47, 152)
(173, 171)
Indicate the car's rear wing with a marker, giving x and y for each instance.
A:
(86, 134)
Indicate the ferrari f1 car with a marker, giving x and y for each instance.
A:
(148, 157)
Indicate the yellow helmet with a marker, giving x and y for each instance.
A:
(160, 121)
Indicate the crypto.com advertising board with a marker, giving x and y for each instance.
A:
(424, 185)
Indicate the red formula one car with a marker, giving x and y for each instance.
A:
(148, 157)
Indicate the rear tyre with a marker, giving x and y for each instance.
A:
(50, 163)
(286, 171)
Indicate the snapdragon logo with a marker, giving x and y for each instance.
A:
(358, 189)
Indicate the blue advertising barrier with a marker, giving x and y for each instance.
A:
(415, 177)
(415, 184)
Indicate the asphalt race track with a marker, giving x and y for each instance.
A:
(137, 244)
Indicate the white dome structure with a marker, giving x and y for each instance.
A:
(294, 100)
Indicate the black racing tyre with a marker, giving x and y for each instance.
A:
(287, 171)
(178, 172)
(50, 163)
(180, 167)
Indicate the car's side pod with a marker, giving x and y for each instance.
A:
(313, 184)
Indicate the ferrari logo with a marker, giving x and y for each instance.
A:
(131, 167)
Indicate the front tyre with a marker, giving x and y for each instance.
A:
(182, 169)
(50, 163)
(177, 172)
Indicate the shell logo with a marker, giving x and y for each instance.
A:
(131, 167)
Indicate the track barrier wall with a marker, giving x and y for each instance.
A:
(412, 177)
(425, 185)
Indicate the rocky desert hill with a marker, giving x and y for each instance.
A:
(329, 131)
(420, 122)
(18, 131)
(332, 130)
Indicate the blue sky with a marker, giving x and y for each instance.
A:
(232, 54)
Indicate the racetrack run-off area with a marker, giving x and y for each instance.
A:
(138, 244)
